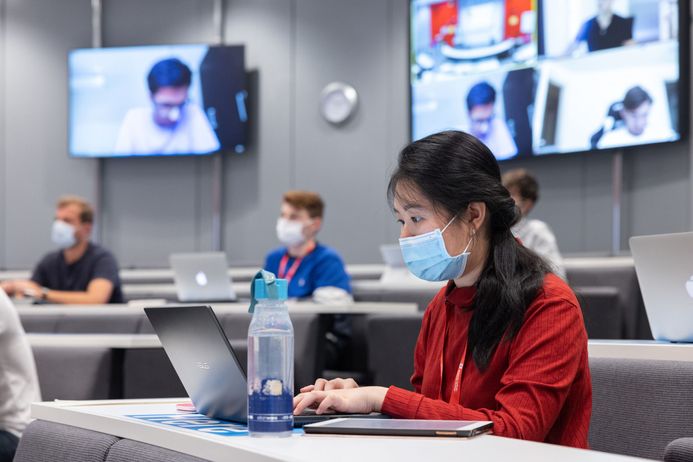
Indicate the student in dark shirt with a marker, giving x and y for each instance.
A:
(605, 30)
(80, 272)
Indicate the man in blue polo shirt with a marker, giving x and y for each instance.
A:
(312, 269)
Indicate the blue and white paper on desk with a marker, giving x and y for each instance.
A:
(197, 422)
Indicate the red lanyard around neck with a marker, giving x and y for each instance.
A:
(456, 387)
(288, 275)
(283, 273)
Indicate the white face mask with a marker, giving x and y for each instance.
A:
(290, 232)
(63, 234)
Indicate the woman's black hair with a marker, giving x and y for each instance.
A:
(453, 169)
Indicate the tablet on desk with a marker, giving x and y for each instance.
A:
(401, 427)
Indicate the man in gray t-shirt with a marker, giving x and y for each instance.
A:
(80, 272)
(18, 380)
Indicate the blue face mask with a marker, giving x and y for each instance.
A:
(428, 259)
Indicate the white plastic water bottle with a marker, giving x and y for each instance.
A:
(270, 359)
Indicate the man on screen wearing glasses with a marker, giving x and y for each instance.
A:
(172, 124)
(485, 125)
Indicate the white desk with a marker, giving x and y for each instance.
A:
(237, 274)
(628, 349)
(598, 262)
(376, 286)
(110, 417)
(168, 291)
(640, 349)
(242, 289)
(115, 341)
(223, 308)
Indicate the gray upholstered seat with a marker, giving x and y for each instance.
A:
(679, 450)
(602, 311)
(46, 441)
(635, 324)
(639, 406)
(76, 372)
(99, 323)
(129, 450)
(422, 296)
(392, 339)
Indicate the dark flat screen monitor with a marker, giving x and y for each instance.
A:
(535, 77)
(157, 100)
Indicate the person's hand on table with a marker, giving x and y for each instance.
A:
(327, 385)
(359, 400)
(8, 287)
(22, 288)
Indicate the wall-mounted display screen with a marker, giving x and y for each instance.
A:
(157, 100)
(534, 77)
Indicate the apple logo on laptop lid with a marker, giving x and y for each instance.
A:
(201, 279)
(689, 287)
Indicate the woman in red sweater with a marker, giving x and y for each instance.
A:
(505, 339)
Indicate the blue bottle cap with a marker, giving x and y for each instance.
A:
(280, 291)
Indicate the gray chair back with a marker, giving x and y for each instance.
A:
(602, 312)
(639, 406)
(635, 324)
(679, 450)
(44, 441)
(391, 343)
(129, 450)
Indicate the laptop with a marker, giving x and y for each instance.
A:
(664, 265)
(202, 277)
(207, 365)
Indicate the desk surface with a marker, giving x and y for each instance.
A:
(357, 271)
(640, 349)
(242, 289)
(115, 341)
(223, 308)
(111, 417)
(165, 275)
(628, 349)
(367, 286)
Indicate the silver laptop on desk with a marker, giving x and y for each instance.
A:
(664, 265)
(202, 277)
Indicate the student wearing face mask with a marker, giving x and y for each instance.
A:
(312, 269)
(80, 272)
(504, 340)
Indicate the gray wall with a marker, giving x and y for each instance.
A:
(152, 207)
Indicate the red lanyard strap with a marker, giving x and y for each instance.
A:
(457, 384)
(288, 275)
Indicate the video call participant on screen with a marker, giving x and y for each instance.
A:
(172, 124)
(534, 234)
(630, 124)
(504, 340)
(605, 30)
(19, 385)
(312, 269)
(80, 272)
(483, 123)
